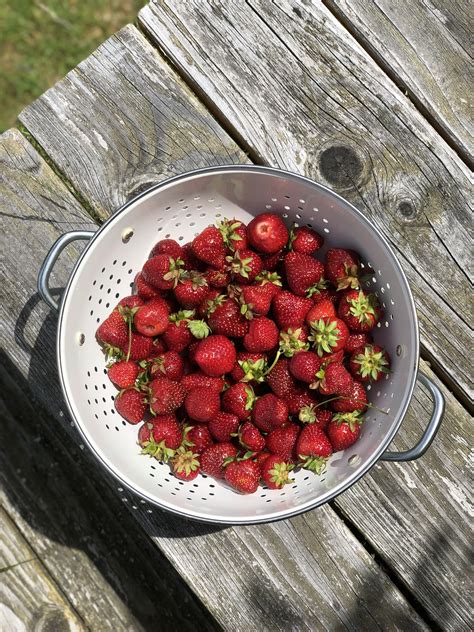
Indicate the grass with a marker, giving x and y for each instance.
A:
(41, 40)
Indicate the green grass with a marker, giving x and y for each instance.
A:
(41, 40)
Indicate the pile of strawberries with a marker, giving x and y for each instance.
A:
(243, 354)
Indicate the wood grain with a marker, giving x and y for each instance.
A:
(433, 63)
(299, 91)
(303, 574)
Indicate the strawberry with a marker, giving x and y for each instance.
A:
(293, 341)
(212, 459)
(208, 302)
(123, 374)
(193, 380)
(162, 272)
(249, 367)
(313, 448)
(323, 309)
(280, 380)
(223, 425)
(185, 464)
(141, 347)
(215, 355)
(243, 476)
(262, 335)
(344, 430)
(275, 472)
(245, 265)
(267, 233)
(144, 290)
(168, 364)
(190, 261)
(202, 403)
(359, 310)
(251, 438)
(256, 299)
(144, 433)
(369, 363)
(131, 405)
(226, 319)
(181, 330)
(198, 438)
(152, 319)
(191, 289)
(209, 247)
(355, 400)
(322, 293)
(113, 331)
(302, 272)
(165, 395)
(168, 247)
(304, 366)
(290, 310)
(313, 415)
(260, 459)
(271, 262)
(334, 379)
(269, 412)
(355, 341)
(166, 437)
(234, 234)
(297, 398)
(328, 336)
(272, 279)
(130, 301)
(342, 268)
(282, 440)
(305, 240)
(239, 400)
(217, 277)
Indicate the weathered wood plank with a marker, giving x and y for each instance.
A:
(303, 95)
(433, 63)
(327, 579)
(29, 599)
(92, 547)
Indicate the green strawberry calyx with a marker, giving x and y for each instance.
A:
(290, 342)
(350, 279)
(280, 473)
(316, 288)
(185, 461)
(254, 370)
(199, 328)
(228, 230)
(352, 419)
(268, 277)
(196, 278)
(307, 414)
(372, 363)
(250, 398)
(315, 464)
(240, 266)
(158, 451)
(216, 302)
(184, 314)
(324, 335)
(363, 307)
(174, 271)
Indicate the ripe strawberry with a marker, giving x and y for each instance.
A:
(263, 335)
(239, 400)
(369, 363)
(271, 262)
(178, 335)
(267, 233)
(202, 403)
(290, 310)
(344, 430)
(305, 240)
(245, 265)
(144, 433)
(334, 379)
(130, 301)
(322, 293)
(272, 279)
(203, 309)
(282, 440)
(251, 438)
(217, 277)
(355, 400)
(260, 459)
(198, 379)
(209, 247)
(299, 397)
(226, 319)
(294, 341)
(198, 438)
(168, 247)
(342, 268)
(168, 364)
(243, 476)
(249, 367)
(131, 405)
(313, 448)
(256, 300)
(162, 272)
(185, 464)
(223, 425)
(323, 309)
(328, 336)
(144, 290)
(165, 395)
(152, 319)
(275, 472)
(304, 366)
(166, 436)
(359, 310)
(212, 459)
(280, 379)
(113, 331)
(302, 272)
(269, 412)
(313, 415)
(191, 290)
(190, 261)
(123, 374)
(355, 341)
(215, 355)
(234, 234)
(141, 347)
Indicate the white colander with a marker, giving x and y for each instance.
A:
(180, 208)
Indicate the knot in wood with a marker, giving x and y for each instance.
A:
(341, 166)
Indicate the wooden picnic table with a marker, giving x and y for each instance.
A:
(370, 98)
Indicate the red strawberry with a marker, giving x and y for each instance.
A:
(208, 303)
(359, 310)
(185, 464)
(144, 433)
(243, 476)
(256, 299)
(302, 272)
(245, 265)
(209, 247)
(198, 438)
(198, 379)
(260, 458)
(217, 277)
(290, 310)
(152, 319)
(130, 301)
(113, 331)
(162, 272)
(223, 425)
(305, 240)
(299, 397)
(215, 355)
(251, 438)
(355, 341)
(281, 441)
(212, 459)
(249, 367)
(169, 364)
(275, 472)
(141, 347)
(322, 293)
(165, 439)
(294, 341)
(267, 233)
(313, 415)
(234, 234)
(272, 279)
(280, 380)
(313, 448)
(334, 379)
(271, 262)
(144, 290)
(165, 395)
(202, 403)
(356, 400)
(168, 247)
(190, 261)
(369, 363)
(323, 309)
(239, 400)
(328, 336)
(262, 335)
(269, 412)
(178, 335)
(226, 319)
(344, 430)
(191, 290)
(131, 405)
(123, 374)
(342, 268)
(304, 366)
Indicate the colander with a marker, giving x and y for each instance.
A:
(180, 208)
